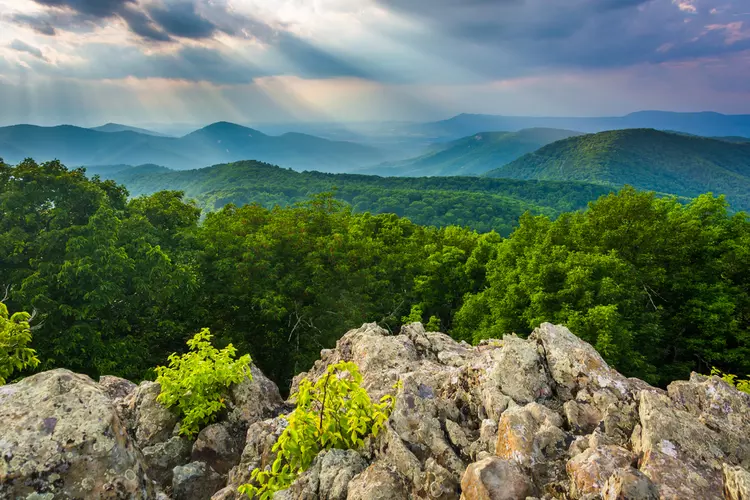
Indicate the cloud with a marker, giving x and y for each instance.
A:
(22, 46)
(40, 24)
(181, 19)
(529, 35)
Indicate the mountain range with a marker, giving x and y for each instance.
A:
(644, 158)
(704, 123)
(217, 143)
(472, 155)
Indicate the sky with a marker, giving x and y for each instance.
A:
(88, 62)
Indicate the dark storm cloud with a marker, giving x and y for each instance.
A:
(22, 46)
(142, 25)
(181, 19)
(37, 23)
(93, 8)
(573, 33)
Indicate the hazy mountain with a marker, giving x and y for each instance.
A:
(218, 143)
(116, 127)
(705, 123)
(645, 158)
(472, 155)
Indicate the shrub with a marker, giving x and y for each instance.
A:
(15, 335)
(741, 385)
(335, 412)
(196, 381)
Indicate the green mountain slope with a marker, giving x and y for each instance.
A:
(644, 158)
(473, 155)
(218, 143)
(480, 203)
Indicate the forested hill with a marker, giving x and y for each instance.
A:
(117, 284)
(645, 158)
(473, 155)
(482, 204)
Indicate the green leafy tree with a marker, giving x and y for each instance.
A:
(655, 285)
(15, 336)
(740, 384)
(334, 412)
(196, 382)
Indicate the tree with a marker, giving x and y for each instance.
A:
(15, 336)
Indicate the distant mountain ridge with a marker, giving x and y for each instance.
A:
(117, 127)
(646, 159)
(702, 123)
(220, 142)
(473, 155)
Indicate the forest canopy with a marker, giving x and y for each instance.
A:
(659, 286)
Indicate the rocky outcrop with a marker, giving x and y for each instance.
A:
(544, 417)
(512, 418)
(61, 438)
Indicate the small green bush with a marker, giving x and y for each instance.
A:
(741, 385)
(15, 335)
(196, 381)
(335, 412)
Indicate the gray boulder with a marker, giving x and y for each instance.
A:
(253, 399)
(195, 481)
(61, 438)
(147, 419)
(328, 477)
(218, 447)
(162, 458)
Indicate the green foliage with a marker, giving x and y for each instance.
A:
(478, 203)
(649, 159)
(113, 280)
(653, 284)
(741, 385)
(415, 315)
(196, 381)
(334, 412)
(15, 336)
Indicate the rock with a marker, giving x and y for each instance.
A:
(149, 421)
(195, 481)
(736, 483)
(377, 482)
(217, 447)
(162, 458)
(677, 479)
(574, 364)
(62, 438)
(519, 371)
(115, 387)
(719, 407)
(680, 454)
(258, 453)
(541, 418)
(254, 400)
(530, 434)
(382, 358)
(328, 477)
(629, 484)
(591, 469)
(582, 417)
(495, 479)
